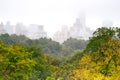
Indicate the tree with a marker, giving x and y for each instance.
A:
(101, 35)
(101, 63)
(15, 62)
(42, 68)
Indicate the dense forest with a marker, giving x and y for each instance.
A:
(44, 59)
(48, 46)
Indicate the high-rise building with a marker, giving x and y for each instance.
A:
(61, 36)
(32, 31)
(9, 28)
(2, 30)
(20, 29)
(36, 32)
(79, 30)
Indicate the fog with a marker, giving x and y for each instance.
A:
(55, 13)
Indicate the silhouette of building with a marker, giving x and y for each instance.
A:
(9, 28)
(20, 29)
(2, 30)
(79, 30)
(32, 31)
(36, 32)
(61, 36)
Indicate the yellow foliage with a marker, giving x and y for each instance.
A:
(108, 60)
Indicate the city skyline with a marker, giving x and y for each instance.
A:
(32, 31)
(105, 23)
(78, 30)
(55, 13)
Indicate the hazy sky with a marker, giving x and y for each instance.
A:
(55, 13)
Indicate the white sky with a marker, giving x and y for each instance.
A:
(55, 13)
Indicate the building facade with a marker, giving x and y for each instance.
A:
(32, 31)
(2, 30)
(79, 30)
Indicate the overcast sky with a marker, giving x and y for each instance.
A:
(55, 13)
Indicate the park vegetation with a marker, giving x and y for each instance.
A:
(44, 59)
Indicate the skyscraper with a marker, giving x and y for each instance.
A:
(2, 30)
(36, 32)
(79, 30)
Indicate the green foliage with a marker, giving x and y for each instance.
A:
(40, 59)
(46, 45)
(101, 58)
(61, 51)
(25, 63)
(75, 44)
(101, 35)
(52, 60)
(15, 63)
(6, 38)
(41, 69)
(75, 57)
(70, 46)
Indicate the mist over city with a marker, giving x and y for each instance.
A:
(59, 40)
(78, 30)
(57, 13)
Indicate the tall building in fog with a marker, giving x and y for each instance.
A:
(61, 36)
(32, 31)
(2, 30)
(20, 29)
(36, 32)
(79, 30)
(9, 28)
